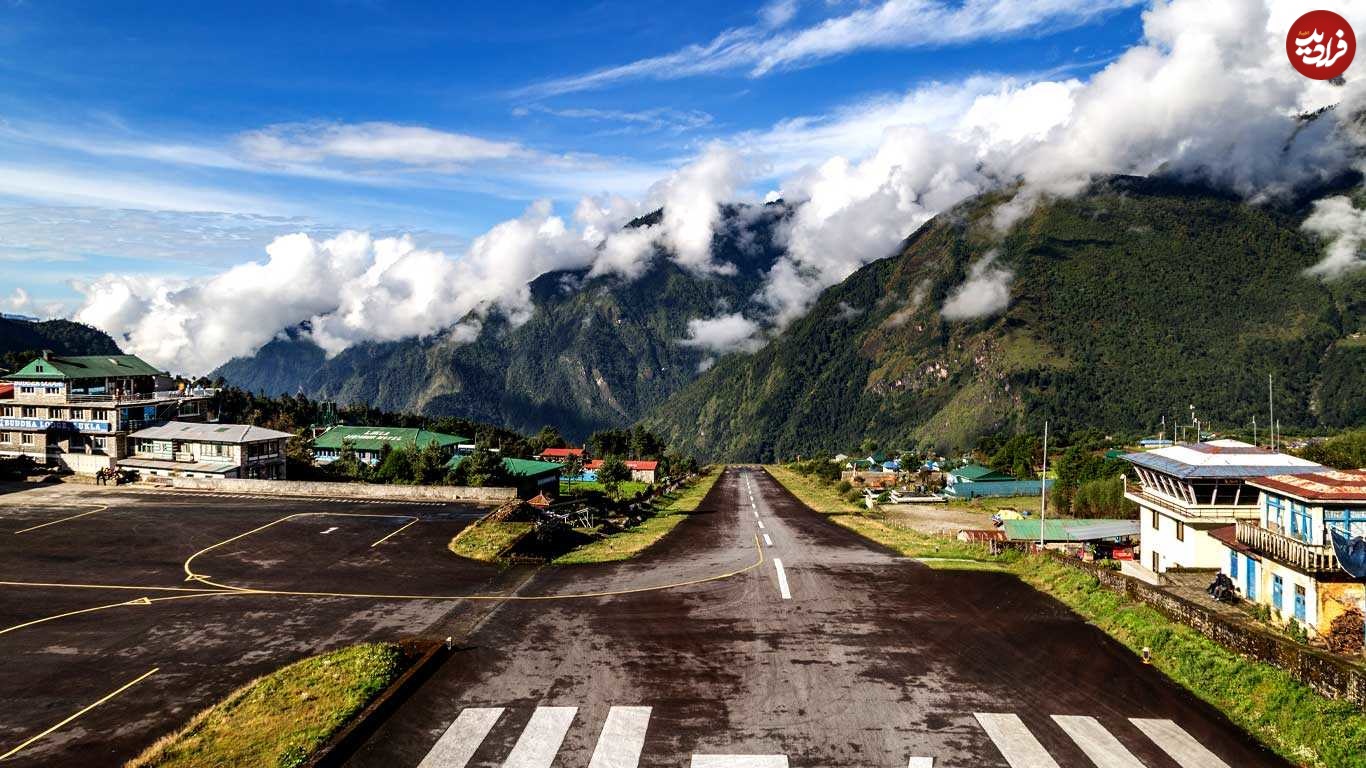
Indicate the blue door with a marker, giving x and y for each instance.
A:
(1278, 594)
(1232, 564)
(1250, 592)
(1299, 602)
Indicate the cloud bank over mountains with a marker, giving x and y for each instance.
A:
(1207, 93)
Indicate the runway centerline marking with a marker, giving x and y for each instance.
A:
(767, 541)
(761, 525)
(80, 712)
(739, 761)
(622, 738)
(782, 579)
(921, 762)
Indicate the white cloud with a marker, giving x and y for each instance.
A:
(56, 185)
(412, 145)
(1336, 220)
(769, 46)
(724, 333)
(985, 292)
(633, 121)
(691, 199)
(18, 300)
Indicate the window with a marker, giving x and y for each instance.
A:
(38, 368)
(1278, 593)
(1275, 514)
(29, 412)
(78, 413)
(54, 413)
(52, 390)
(1299, 602)
(100, 443)
(27, 389)
(1349, 521)
(1157, 521)
(1299, 521)
(1180, 531)
(26, 439)
(4, 437)
(9, 410)
(100, 414)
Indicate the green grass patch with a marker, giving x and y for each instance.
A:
(487, 539)
(277, 721)
(624, 490)
(626, 544)
(994, 504)
(812, 492)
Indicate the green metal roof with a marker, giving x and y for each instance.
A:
(979, 473)
(518, 467)
(372, 438)
(1066, 529)
(84, 367)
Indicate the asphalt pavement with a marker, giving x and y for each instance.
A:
(760, 635)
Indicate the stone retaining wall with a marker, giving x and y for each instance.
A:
(347, 490)
(1329, 675)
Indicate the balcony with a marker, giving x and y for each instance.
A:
(137, 398)
(1303, 557)
(1212, 513)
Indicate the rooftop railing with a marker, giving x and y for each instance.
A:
(142, 397)
(1140, 494)
(1302, 556)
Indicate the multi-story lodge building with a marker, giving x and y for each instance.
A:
(186, 449)
(368, 442)
(1286, 551)
(77, 412)
(1186, 491)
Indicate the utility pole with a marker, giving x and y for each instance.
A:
(1043, 486)
(1254, 430)
(1271, 401)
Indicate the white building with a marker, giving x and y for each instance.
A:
(1186, 491)
(1284, 558)
(182, 449)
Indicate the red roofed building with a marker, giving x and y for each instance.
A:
(1289, 550)
(641, 471)
(559, 454)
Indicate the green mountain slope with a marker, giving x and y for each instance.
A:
(1128, 303)
(21, 340)
(596, 352)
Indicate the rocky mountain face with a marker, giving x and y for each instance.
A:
(1127, 303)
(596, 352)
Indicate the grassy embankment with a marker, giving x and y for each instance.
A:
(631, 542)
(624, 490)
(277, 721)
(487, 539)
(1302, 726)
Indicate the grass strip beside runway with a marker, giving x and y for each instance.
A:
(632, 541)
(820, 496)
(1304, 727)
(912, 543)
(487, 539)
(277, 721)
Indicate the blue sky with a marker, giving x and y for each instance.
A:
(176, 139)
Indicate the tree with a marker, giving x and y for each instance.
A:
(483, 467)
(395, 466)
(548, 437)
(571, 468)
(429, 465)
(348, 465)
(1017, 457)
(613, 473)
(1345, 451)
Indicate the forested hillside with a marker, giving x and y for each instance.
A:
(596, 353)
(21, 341)
(1127, 303)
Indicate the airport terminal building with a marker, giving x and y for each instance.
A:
(77, 412)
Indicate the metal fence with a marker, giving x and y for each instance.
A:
(996, 488)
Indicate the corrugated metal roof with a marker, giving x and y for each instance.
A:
(372, 438)
(85, 367)
(1070, 530)
(210, 433)
(518, 467)
(213, 467)
(979, 473)
(1220, 459)
(1328, 485)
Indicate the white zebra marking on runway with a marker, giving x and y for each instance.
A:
(462, 739)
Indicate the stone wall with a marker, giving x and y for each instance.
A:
(1329, 675)
(347, 490)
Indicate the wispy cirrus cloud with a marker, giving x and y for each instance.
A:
(771, 45)
(659, 119)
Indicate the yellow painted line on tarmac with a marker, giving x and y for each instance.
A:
(141, 601)
(190, 575)
(133, 587)
(80, 712)
(395, 533)
(758, 563)
(64, 519)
